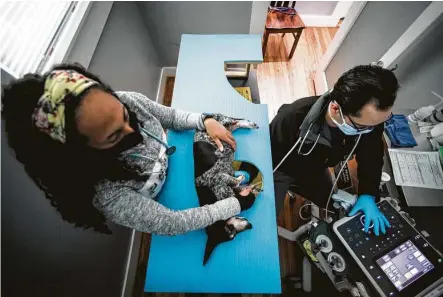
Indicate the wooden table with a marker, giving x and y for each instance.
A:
(277, 22)
(250, 263)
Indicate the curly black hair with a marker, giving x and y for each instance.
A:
(66, 173)
(364, 84)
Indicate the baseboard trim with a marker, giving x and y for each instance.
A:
(319, 21)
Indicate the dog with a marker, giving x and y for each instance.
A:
(215, 180)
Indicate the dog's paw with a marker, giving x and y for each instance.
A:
(239, 179)
(245, 124)
(250, 125)
(256, 190)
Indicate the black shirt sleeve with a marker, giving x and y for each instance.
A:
(369, 157)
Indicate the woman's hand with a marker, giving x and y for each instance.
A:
(219, 133)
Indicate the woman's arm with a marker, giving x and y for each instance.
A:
(176, 119)
(125, 206)
(169, 118)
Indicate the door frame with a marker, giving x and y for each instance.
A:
(424, 23)
(320, 82)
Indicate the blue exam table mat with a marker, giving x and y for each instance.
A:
(249, 263)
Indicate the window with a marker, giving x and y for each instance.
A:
(29, 32)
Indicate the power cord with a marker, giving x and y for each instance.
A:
(339, 173)
(311, 204)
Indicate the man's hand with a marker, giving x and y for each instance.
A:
(366, 204)
(219, 133)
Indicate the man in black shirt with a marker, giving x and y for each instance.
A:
(315, 133)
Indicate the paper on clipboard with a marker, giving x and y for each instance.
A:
(417, 169)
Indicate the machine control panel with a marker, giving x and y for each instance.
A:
(399, 263)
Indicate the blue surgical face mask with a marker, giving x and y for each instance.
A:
(345, 127)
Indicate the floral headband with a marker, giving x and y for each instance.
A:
(49, 115)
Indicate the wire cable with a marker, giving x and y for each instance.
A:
(310, 204)
(339, 173)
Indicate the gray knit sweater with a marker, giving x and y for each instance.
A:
(120, 201)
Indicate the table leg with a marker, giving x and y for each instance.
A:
(248, 69)
(294, 46)
(265, 43)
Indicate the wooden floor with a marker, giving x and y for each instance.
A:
(280, 81)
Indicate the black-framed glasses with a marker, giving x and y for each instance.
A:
(361, 128)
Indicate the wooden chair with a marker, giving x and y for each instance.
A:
(283, 18)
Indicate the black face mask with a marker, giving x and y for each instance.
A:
(127, 142)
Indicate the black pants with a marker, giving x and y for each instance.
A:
(312, 186)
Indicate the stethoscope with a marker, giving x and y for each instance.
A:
(310, 151)
(300, 147)
(303, 141)
(169, 149)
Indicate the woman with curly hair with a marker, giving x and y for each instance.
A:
(102, 155)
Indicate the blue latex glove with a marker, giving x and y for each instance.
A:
(366, 204)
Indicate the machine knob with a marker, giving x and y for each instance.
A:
(391, 218)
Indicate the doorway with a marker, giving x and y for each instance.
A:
(282, 80)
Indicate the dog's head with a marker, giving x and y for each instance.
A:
(223, 231)
(236, 225)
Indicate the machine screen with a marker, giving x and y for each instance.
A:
(404, 265)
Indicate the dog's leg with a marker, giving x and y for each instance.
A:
(245, 124)
(222, 191)
(226, 179)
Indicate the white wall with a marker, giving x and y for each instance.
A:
(125, 56)
(89, 34)
(315, 7)
(167, 21)
(258, 17)
(420, 71)
(379, 25)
